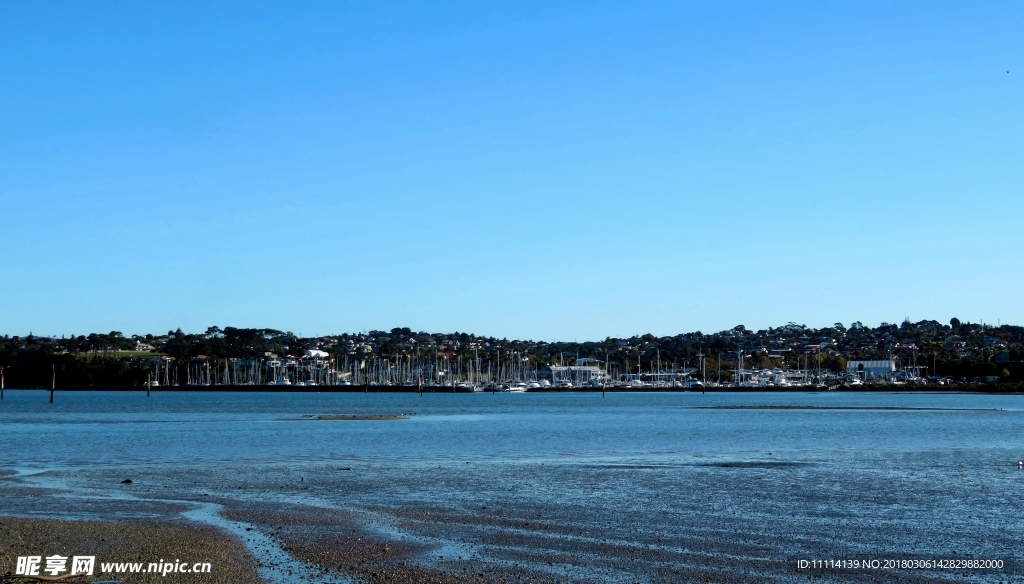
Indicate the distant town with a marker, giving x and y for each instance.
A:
(924, 353)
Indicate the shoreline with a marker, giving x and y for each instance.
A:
(992, 389)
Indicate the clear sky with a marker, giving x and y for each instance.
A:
(525, 170)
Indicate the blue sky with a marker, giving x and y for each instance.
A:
(525, 170)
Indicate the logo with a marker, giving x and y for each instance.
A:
(55, 565)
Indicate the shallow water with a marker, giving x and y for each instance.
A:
(650, 487)
(119, 427)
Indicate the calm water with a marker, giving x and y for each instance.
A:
(115, 427)
(626, 488)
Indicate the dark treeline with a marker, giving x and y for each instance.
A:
(959, 350)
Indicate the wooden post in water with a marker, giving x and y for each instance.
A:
(149, 383)
(1, 383)
(53, 381)
(604, 378)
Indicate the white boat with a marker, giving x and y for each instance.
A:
(466, 386)
(516, 388)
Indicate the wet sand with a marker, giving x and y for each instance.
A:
(446, 522)
(839, 408)
(342, 542)
(129, 542)
(357, 417)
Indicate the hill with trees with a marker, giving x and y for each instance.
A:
(959, 350)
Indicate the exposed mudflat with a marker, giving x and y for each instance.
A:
(356, 417)
(557, 521)
(135, 541)
(837, 408)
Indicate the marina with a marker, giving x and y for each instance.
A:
(513, 374)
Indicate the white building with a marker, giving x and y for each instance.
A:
(577, 374)
(873, 370)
